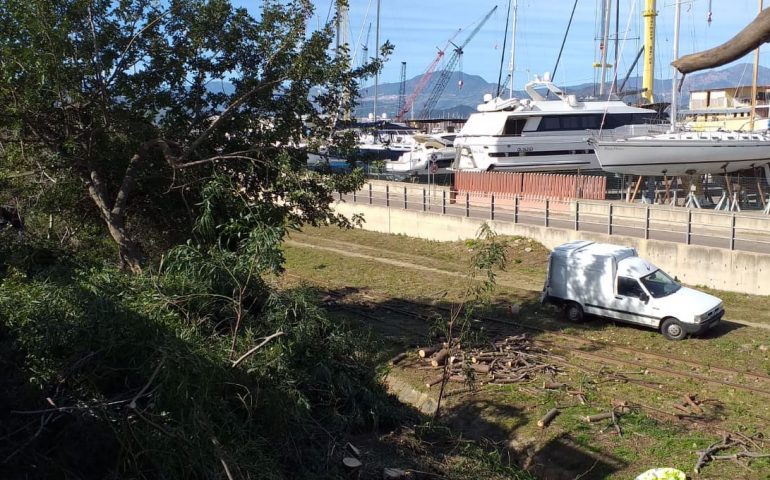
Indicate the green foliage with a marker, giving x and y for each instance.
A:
(120, 113)
(90, 338)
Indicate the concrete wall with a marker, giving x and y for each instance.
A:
(718, 268)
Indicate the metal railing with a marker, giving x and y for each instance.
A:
(734, 231)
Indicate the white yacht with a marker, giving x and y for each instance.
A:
(433, 153)
(547, 132)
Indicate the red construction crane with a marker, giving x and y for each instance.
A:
(424, 80)
(441, 83)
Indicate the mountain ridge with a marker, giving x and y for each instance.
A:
(458, 99)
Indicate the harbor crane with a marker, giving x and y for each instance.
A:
(443, 79)
(424, 79)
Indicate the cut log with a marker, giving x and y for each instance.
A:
(481, 368)
(553, 385)
(397, 358)
(440, 358)
(351, 463)
(434, 381)
(598, 417)
(547, 418)
(393, 474)
(428, 351)
(755, 34)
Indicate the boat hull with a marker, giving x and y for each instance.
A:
(650, 157)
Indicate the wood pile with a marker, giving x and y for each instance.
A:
(505, 361)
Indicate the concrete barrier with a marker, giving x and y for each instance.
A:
(719, 268)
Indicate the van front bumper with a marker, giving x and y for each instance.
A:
(697, 328)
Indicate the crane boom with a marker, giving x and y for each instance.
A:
(424, 79)
(441, 83)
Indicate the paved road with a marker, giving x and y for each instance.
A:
(756, 242)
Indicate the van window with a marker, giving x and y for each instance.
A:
(659, 284)
(629, 287)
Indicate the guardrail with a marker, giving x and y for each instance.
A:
(744, 232)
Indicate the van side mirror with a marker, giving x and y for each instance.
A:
(644, 297)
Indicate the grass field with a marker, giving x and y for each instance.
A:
(385, 268)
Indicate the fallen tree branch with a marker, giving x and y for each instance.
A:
(261, 344)
(752, 36)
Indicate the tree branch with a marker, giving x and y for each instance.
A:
(261, 344)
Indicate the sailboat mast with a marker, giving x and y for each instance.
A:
(513, 46)
(754, 82)
(377, 54)
(648, 77)
(606, 12)
(675, 72)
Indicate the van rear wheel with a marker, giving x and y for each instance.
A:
(672, 329)
(573, 312)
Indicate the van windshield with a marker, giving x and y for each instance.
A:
(659, 284)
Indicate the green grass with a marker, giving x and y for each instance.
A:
(649, 440)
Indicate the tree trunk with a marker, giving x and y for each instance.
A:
(755, 34)
(128, 250)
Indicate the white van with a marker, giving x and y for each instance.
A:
(612, 281)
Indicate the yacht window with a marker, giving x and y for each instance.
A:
(514, 126)
(549, 123)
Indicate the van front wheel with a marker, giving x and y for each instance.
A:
(672, 329)
(573, 312)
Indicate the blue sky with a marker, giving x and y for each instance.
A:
(418, 27)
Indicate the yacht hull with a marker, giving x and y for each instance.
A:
(659, 157)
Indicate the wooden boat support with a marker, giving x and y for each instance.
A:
(507, 185)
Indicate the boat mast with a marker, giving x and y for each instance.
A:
(754, 82)
(343, 45)
(675, 72)
(648, 77)
(377, 54)
(606, 11)
(513, 46)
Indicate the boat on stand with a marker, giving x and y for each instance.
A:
(677, 151)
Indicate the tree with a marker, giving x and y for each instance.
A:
(144, 102)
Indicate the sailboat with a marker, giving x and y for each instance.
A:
(679, 152)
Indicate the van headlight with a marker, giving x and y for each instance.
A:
(701, 318)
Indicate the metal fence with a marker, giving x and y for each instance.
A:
(730, 230)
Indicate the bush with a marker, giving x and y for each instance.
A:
(128, 381)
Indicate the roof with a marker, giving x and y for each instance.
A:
(635, 267)
(583, 247)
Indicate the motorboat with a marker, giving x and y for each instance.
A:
(547, 132)
(431, 153)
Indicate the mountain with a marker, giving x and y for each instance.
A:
(459, 101)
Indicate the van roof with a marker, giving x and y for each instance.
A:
(635, 267)
(584, 247)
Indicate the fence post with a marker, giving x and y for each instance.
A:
(387, 195)
(577, 215)
(354, 196)
(370, 194)
(467, 204)
(647, 224)
(547, 203)
(405, 204)
(424, 201)
(516, 209)
(609, 221)
(443, 202)
(492, 207)
(732, 233)
(688, 239)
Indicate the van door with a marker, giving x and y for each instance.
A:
(629, 304)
